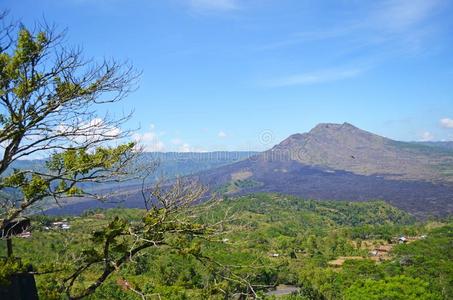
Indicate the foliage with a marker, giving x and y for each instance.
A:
(306, 235)
(395, 288)
(48, 100)
(9, 267)
(49, 96)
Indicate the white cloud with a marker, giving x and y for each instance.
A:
(188, 148)
(213, 5)
(91, 131)
(222, 134)
(150, 140)
(313, 78)
(185, 148)
(446, 123)
(398, 15)
(427, 136)
(179, 145)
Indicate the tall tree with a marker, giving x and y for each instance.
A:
(50, 97)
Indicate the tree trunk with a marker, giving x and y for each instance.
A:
(9, 246)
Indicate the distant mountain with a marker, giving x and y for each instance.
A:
(448, 145)
(333, 162)
(346, 147)
(343, 162)
(169, 164)
(172, 164)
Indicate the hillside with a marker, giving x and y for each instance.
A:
(346, 147)
(169, 164)
(448, 145)
(331, 162)
(342, 162)
(268, 239)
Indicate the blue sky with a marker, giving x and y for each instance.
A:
(245, 74)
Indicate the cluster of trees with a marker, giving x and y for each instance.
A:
(308, 234)
(397, 288)
(240, 258)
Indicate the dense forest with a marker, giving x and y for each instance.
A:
(323, 250)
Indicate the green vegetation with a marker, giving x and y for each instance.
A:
(395, 288)
(236, 248)
(266, 240)
(238, 185)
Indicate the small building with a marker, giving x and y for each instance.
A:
(60, 225)
(402, 240)
(25, 234)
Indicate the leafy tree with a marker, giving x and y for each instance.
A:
(394, 288)
(49, 102)
(49, 98)
(170, 224)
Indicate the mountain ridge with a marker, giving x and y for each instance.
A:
(338, 162)
(343, 162)
(346, 147)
